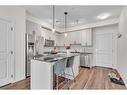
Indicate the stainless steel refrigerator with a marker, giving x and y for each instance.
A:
(30, 52)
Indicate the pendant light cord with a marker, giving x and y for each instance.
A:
(53, 17)
(65, 21)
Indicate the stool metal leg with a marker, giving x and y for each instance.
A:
(72, 76)
(73, 73)
(67, 82)
(57, 81)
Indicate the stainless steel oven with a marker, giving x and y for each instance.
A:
(49, 43)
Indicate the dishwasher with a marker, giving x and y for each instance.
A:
(86, 60)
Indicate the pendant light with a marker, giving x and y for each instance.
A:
(53, 18)
(65, 34)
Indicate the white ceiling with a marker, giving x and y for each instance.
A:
(77, 15)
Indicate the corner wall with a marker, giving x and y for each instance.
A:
(122, 46)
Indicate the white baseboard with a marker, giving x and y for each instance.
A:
(16, 80)
(123, 77)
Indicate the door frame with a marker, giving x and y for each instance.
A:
(114, 48)
(12, 48)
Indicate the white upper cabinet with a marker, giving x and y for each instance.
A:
(60, 40)
(76, 37)
(68, 39)
(87, 37)
(73, 38)
(83, 37)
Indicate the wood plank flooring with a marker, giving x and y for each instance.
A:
(94, 78)
(20, 85)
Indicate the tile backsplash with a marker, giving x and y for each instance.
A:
(77, 48)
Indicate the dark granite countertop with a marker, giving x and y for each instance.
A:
(54, 57)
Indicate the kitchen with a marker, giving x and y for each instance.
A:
(82, 38)
(82, 58)
(79, 41)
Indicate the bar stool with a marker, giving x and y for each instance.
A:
(69, 65)
(59, 68)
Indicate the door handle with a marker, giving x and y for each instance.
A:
(11, 52)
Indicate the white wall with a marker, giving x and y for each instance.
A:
(46, 34)
(122, 45)
(17, 15)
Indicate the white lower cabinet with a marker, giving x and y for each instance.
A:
(42, 73)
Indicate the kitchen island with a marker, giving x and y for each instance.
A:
(42, 70)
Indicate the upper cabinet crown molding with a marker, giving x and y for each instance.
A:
(84, 37)
(92, 25)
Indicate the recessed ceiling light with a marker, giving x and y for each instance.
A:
(103, 16)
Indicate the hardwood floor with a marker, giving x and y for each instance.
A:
(20, 85)
(94, 78)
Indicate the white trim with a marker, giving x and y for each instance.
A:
(36, 20)
(11, 48)
(95, 24)
(114, 35)
(22, 78)
(85, 26)
(40, 22)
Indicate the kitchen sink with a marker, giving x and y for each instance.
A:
(50, 57)
(75, 52)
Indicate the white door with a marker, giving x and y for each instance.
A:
(104, 48)
(5, 52)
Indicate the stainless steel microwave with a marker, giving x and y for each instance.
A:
(49, 43)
